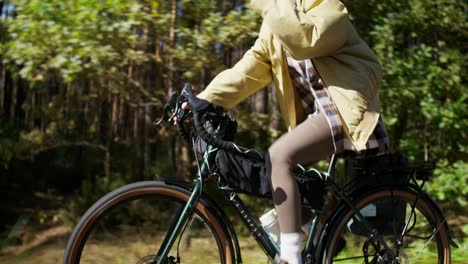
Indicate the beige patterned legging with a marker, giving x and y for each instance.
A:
(312, 140)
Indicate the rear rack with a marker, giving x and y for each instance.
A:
(385, 170)
(391, 164)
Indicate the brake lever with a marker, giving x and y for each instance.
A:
(172, 100)
(169, 105)
(179, 111)
(183, 112)
(164, 117)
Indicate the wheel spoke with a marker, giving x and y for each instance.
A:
(348, 258)
(433, 234)
(129, 225)
(389, 213)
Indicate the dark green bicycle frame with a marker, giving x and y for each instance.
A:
(259, 233)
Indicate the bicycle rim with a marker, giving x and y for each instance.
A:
(129, 226)
(389, 211)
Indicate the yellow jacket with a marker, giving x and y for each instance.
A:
(319, 30)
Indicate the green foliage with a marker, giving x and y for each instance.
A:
(450, 182)
(253, 125)
(91, 190)
(73, 37)
(79, 56)
(207, 36)
(75, 55)
(423, 92)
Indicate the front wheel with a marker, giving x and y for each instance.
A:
(129, 224)
(410, 226)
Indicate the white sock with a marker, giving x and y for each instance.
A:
(291, 246)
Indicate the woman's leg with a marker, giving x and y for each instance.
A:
(312, 140)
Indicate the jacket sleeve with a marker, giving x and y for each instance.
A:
(252, 73)
(314, 29)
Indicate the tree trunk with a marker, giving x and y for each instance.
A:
(273, 107)
(260, 101)
(227, 6)
(107, 120)
(120, 119)
(140, 143)
(169, 82)
(14, 100)
(98, 115)
(146, 144)
(2, 88)
(43, 97)
(135, 123)
(4, 75)
(114, 123)
(170, 75)
(228, 57)
(128, 123)
(29, 119)
(68, 95)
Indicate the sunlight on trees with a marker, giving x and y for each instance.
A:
(90, 75)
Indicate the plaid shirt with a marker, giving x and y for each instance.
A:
(315, 99)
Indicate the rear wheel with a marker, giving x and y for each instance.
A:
(425, 239)
(129, 224)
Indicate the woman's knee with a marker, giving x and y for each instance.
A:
(277, 156)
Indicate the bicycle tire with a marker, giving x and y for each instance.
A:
(146, 191)
(344, 244)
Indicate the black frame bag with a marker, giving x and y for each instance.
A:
(248, 176)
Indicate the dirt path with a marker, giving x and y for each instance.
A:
(47, 248)
(52, 234)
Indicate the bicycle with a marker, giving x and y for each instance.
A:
(394, 221)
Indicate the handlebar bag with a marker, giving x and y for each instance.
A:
(248, 176)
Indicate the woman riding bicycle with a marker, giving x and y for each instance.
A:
(327, 81)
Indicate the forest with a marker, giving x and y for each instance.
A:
(83, 82)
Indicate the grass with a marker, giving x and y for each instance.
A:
(52, 252)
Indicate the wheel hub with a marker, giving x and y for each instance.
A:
(375, 253)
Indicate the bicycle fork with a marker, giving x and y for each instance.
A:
(181, 218)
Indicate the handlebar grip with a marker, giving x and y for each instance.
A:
(208, 137)
(195, 103)
(199, 107)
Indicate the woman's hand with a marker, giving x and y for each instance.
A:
(184, 106)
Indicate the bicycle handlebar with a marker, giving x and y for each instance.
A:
(199, 109)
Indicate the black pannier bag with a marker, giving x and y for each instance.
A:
(388, 215)
(248, 176)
